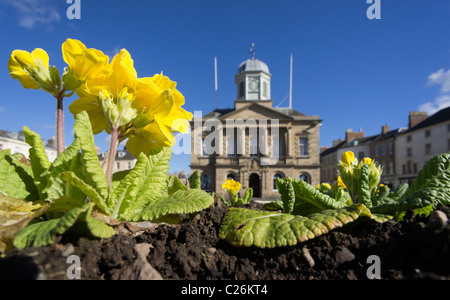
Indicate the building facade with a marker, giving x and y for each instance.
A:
(16, 143)
(254, 142)
(123, 161)
(420, 143)
(401, 152)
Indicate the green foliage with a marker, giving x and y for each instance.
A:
(244, 227)
(286, 189)
(237, 201)
(194, 181)
(16, 178)
(76, 189)
(433, 181)
(311, 211)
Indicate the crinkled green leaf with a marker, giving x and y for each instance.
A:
(194, 181)
(69, 160)
(420, 199)
(94, 175)
(125, 193)
(149, 185)
(248, 195)
(181, 202)
(399, 192)
(364, 195)
(435, 176)
(38, 158)
(286, 190)
(15, 214)
(174, 184)
(306, 192)
(381, 195)
(88, 190)
(97, 227)
(16, 178)
(244, 227)
(44, 233)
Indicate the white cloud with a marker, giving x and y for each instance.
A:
(2, 108)
(441, 78)
(439, 103)
(31, 13)
(442, 100)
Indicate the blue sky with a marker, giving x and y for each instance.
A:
(351, 71)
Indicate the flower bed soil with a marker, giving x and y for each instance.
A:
(416, 248)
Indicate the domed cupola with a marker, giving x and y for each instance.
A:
(253, 65)
(253, 80)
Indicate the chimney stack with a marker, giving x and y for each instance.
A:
(350, 136)
(415, 117)
(385, 129)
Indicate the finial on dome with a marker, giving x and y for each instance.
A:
(253, 51)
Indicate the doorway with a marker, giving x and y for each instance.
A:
(255, 184)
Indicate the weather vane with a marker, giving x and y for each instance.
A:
(253, 50)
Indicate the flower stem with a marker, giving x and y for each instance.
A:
(60, 123)
(114, 144)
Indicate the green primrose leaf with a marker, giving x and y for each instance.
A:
(306, 192)
(38, 158)
(181, 202)
(97, 227)
(94, 175)
(434, 178)
(146, 183)
(16, 178)
(45, 233)
(244, 227)
(68, 161)
(194, 181)
(286, 190)
(88, 190)
(174, 184)
(364, 195)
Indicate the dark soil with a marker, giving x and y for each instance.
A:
(415, 248)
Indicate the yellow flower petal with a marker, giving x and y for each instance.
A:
(16, 71)
(83, 63)
(349, 158)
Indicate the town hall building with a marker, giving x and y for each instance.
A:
(255, 143)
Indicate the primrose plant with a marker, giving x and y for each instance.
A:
(40, 200)
(233, 187)
(305, 211)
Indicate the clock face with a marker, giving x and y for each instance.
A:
(253, 85)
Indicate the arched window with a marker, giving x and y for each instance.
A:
(275, 177)
(231, 176)
(206, 182)
(305, 177)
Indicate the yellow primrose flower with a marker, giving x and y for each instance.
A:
(31, 69)
(340, 183)
(162, 102)
(366, 160)
(326, 185)
(83, 63)
(148, 109)
(232, 187)
(100, 95)
(348, 158)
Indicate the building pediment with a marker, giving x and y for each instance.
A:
(254, 111)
